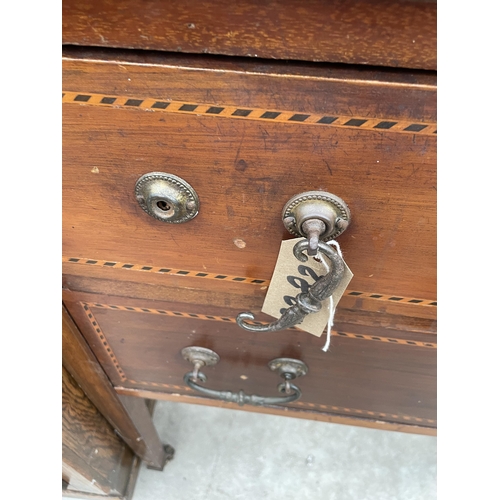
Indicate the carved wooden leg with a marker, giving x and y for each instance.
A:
(129, 416)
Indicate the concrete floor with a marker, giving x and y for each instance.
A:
(229, 454)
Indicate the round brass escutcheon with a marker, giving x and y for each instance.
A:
(288, 367)
(201, 355)
(167, 197)
(317, 206)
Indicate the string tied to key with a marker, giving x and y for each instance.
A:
(330, 300)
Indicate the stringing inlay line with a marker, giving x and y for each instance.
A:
(373, 414)
(225, 319)
(164, 270)
(102, 339)
(237, 279)
(251, 113)
(339, 409)
(109, 352)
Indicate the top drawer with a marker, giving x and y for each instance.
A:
(248, 138)
(396, 33)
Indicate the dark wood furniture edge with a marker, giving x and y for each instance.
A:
(284, 411)
(95, 459)
(271, 67)
(391, 33)
(89, 496)
(141, 411)
(354, 308)
(129, 490)
(132, 480)
(81, 363)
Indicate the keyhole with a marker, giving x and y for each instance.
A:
(163, 205)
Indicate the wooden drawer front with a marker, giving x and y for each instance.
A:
(369, 373)
(390, 33)
(244, 168)
(248, 137)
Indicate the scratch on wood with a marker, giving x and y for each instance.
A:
(172, 236)
(328, 167)
(237, 166)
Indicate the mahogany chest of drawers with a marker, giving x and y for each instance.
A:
(248, 134)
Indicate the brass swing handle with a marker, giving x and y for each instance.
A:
(288, 369)
(305, 303)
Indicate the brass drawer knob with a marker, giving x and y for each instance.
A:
(289, 369)
(316, 215)
(166, 197)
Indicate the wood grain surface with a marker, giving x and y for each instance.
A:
(90, 446)
(131, 281)
(282, 411)
(397, 33)
(302, 87)
(81, 363)
(244, 172)
(353, 309)
(363, 375)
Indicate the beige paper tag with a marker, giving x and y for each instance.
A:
(292, 277)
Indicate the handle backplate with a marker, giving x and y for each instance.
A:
(289, 369)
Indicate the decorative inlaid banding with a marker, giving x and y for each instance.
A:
(315, 406)
(392, 298)
(372, 414)
(102, 339)
(167, 106)
(226, 319)
(236, 279)
(123, 378)
(164, 270)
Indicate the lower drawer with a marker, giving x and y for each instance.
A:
(370, 373)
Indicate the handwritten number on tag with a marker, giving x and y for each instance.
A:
(299, 283)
